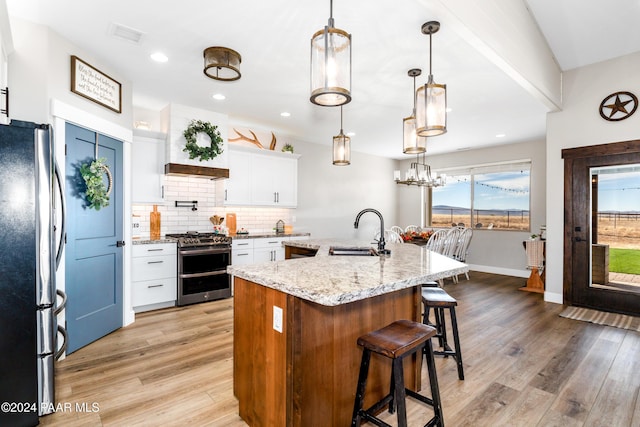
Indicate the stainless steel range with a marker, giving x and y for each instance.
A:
(202, 267)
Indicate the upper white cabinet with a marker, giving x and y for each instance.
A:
(262, 178)
(147, 166)
(237, 189)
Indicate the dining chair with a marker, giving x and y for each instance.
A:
(436, 241)
(463, 247)
(397, 229)
(409, 228)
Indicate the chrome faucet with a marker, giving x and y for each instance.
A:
(381, 242)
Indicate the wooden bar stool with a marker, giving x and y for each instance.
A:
(395, 341)
(439, 299)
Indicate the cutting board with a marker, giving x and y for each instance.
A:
(231, 223)
(154, 226)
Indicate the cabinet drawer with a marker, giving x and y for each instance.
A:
(154, 267)
(241, 256)
(269, 242)
(154, 249)
(153, 291)
(242, 244)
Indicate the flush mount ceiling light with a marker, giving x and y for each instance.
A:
(222, 63)
(330, 65)
(341, 147)
(411, 142)
(431, 106)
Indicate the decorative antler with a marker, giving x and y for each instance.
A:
(254, 140)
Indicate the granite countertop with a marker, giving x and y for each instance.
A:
(335, 280)
(266, 234)
(152, 242)
(233, 237)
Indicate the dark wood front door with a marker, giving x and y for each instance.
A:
(588, 281)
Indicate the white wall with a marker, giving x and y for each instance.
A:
(330, 197)
(40, 70)
(579, 124)
(493, 251)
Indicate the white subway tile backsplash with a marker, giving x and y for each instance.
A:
(210, 197)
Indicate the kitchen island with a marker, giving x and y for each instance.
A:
(296, 323)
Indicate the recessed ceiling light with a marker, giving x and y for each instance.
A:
(449, 109)
(500, 135)
(350, 134)
(219, 97)
(285, 114)
(159, 57)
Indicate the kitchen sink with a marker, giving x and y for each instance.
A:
(352, 251)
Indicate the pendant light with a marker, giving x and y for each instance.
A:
(411, 142)
(431, 106)
(341, 147)
(330, 65)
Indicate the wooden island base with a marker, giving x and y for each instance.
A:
(307, 375)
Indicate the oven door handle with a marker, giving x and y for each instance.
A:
(205, 274)
(187, 252)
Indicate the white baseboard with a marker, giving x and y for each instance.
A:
(499, 270)
(548, 296)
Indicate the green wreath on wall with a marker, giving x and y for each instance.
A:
(96, 192)
(198, 151)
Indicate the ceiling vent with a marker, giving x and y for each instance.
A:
(125, 33)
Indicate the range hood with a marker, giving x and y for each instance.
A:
(175, 119)
(178, 169)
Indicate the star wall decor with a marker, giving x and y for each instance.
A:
(618, 106)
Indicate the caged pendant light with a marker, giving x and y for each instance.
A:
(222, 63)
(330, 65)
(431, 105)
(411, 142)
(341, 147)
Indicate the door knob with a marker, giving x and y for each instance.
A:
(120, 243)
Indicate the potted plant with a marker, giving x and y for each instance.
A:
(287, 148)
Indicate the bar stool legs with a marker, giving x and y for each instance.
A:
(395, 341)
(440, 300)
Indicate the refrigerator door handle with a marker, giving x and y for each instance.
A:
(60, 351)
(63, 208)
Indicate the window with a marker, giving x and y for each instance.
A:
(484, 197)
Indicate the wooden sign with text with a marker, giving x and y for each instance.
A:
(94, 85)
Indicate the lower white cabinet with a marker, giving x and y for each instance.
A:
(268, 249)
(242, 251)
(259, 249)
(153, 276)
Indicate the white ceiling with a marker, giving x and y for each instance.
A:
(273, 38)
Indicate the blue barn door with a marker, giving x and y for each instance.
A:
(93, 279)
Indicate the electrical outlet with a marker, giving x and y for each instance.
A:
(277, 318)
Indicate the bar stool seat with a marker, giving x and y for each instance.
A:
(396, 341)
(439, 300)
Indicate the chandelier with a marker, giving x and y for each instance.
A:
(419, 174)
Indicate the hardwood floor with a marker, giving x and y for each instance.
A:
(524, 366)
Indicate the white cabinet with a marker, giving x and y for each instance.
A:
(268, 249)
(153, 276)
(237, 189)
(275, 181)
(262, 178)
(241, 251)
(147, 167)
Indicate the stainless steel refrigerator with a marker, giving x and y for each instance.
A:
(29, 204)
